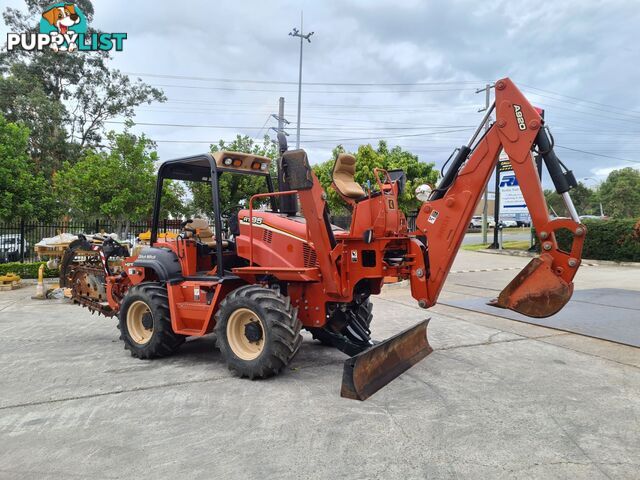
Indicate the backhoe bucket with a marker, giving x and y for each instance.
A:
(536, 291)
(366, 373)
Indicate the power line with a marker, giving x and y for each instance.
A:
(388, 136)
(615, 108)
(597, 154)
(184, 125)
(280, 82)
(580, 99)
(197, 87)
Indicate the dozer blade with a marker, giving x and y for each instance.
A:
(536, 291)
(367, 372)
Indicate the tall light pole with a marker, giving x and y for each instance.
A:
(598, 182)
(300, 33)
(485, 208)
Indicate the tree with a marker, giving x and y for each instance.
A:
(22, 194)
(369, 158)
(620, 193)
(234, 189)
(583, 198)
(117, 184)
(65, 99)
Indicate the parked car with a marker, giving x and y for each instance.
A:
(523, 223)
(476, 222)
(507, 223)
(10, 247)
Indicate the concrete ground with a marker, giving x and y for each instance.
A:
(497, 399)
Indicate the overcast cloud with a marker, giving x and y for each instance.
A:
(583, 55)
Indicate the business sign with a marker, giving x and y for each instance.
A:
(512, 202)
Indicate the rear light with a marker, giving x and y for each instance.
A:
(256, 166)
(237, 162)
(263, 166)
(227, 161)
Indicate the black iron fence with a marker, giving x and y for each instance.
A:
(18, 240)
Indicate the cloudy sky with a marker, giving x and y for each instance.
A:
(406, 71)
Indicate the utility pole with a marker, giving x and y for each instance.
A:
(280, 118)
(485, 208)
(300, 33)
(288, 203)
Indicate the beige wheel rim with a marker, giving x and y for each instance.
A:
(137, 331)
(242, 346)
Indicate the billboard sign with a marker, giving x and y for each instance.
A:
(512, 202)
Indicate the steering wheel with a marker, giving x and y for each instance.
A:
(228, 212)
(185, 229)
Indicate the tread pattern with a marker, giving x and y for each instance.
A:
(282, 335)
(164, 341)
(364, 312)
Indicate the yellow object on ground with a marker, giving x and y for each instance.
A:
(40, 287)
(9, 278)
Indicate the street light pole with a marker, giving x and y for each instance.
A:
(598, 182)
(300, 33)
(487, 125)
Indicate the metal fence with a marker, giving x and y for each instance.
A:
(18, 239)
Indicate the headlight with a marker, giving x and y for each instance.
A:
(227, 161)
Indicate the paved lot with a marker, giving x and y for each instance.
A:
(497, 399)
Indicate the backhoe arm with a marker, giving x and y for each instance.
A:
(545, 285)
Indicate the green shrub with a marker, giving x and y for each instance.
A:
(28, 270)
(617, 240)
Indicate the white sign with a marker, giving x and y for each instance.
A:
(511, 200)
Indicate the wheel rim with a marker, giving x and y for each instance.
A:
(241, 323)
(135, 322)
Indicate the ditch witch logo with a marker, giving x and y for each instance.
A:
(63, 27)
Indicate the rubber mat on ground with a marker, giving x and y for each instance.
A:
(608, 313)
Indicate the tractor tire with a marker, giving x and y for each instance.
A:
(257, 331)
(364, 311)
(145, 323)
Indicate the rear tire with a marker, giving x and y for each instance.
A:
(257, 331)
(145, 322)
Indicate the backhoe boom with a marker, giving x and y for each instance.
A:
(546, 284)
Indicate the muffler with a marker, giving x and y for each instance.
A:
(536, 291)
(367, 372)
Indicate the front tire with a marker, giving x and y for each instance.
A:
(257, 331)
(145, 322)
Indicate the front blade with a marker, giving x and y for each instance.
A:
(369, 371)
(536, 291)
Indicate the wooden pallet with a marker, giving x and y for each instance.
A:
(5, 287)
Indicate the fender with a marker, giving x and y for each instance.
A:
(162, 261)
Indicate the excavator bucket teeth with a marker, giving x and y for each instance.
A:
(536, 291)
(367, 372)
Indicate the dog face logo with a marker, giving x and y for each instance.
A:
(65, 20)
(62, 17)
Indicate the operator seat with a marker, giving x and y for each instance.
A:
(343, 172)
(203, 234)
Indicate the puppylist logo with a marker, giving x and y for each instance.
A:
(63, 28)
